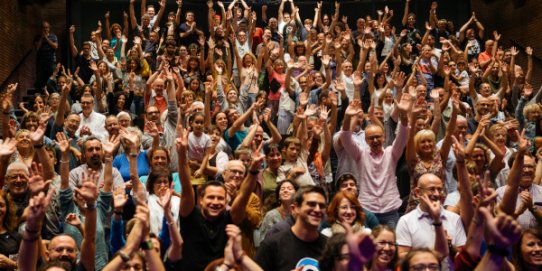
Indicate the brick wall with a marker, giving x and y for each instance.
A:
(22, 21)
(520, 25)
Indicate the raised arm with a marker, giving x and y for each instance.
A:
(405, 15)
(187, 193)
(133, 20)
(508, 203)
(529, 73)
(89, 193)
(238, 206)
(239, 123)
(73, 48)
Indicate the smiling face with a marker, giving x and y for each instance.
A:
(159, 160)
(286, 192)
(431, 186)
(17, 181)
(274, 159)
(312, 210)
(213, 202)
(527, 172)
(221, 121)
(346, 212)
(385, 248)
(531, 249)
(374, 136)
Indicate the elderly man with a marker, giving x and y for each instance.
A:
(92, 122)
(62, 249)
(521, 198)
(429, 224)
(93, 154)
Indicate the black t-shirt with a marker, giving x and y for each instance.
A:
(285, 252)
(84, 67)
(204, 240)
(9, 245)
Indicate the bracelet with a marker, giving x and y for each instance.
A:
(64, 162)
(240, 259)
(498, 251)
(133, 154)
(30, 231)
(170, 223)
(38, 146)
(91, 206)
(28, 238)
(124, 257)
(437, 224)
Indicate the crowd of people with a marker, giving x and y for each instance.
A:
(274, 142)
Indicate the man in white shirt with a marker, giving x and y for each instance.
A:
(429, 225)
(92, 123)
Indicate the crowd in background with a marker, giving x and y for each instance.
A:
(274, 142)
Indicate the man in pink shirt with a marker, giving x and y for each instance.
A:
(376, 164)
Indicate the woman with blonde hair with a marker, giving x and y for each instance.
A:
(422, 154)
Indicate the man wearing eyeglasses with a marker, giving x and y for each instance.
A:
(92, 122)
(430, 225)
(303, 243)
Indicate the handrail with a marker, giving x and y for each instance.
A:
(23, 59)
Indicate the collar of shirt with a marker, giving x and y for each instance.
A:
(421, 214)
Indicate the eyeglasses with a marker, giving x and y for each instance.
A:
(236, 172)
(15, 177)
(313, 204)
(434, 189)
(383, 244)
(343, 257)
(347, 207)
(423, 267)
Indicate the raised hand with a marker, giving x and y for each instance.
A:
(119, 197)
(399, 79)
(164, 195)
(89, 188)
(323, 113)
(333, 98)
(523, 143)
(529, 51)
(361, 246)
(257, 158)
(62, 142)
(73, 219)
(433, 206)
(93, 66)
(357, 79)
(354, 107)
(434, 95)
(459, 148)
(182, 138)
(311, 110)
(36, 183)
(8, 147)
(111, 145)
(404, 105)
(504, 230)
(35, 211)
(37, 135)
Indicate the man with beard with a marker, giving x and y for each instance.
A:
(482, 107)
(519, 197)
(203, 226)
(93, 155)
(166, 130)
(62, 248)
(430, 224)
(302, 244)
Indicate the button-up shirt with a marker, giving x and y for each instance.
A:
(378, 182)
(96, 123)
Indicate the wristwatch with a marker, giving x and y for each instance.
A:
(146, 245)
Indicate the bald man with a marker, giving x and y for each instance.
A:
(429, 224)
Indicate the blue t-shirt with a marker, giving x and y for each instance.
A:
(236, 140)
(123, 165)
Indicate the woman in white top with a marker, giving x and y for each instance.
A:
(158, 183)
